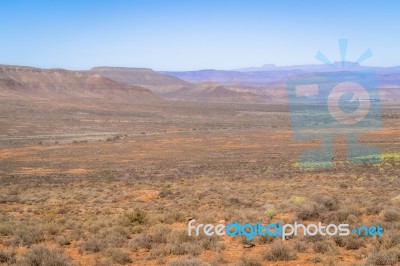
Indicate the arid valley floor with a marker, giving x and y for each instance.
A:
(113, 182)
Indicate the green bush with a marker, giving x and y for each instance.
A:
(135, 217)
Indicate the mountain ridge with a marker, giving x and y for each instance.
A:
(24, 81)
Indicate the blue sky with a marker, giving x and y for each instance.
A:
(191, 35)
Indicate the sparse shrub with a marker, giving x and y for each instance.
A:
(103, 261)
(27, 235)
(374, 209)
(393, 240)
(166, 193)
(218, 259)
(309, 212)
(267, 239)
(313, 239)
(279, 251)
(382, 257)
(159, 234)
(233, 201)
(211, 243)
(315, 259)
(346, 213)
(339, 241)
(119, 256)
(179, 243)
(270, 213)
(63, 240)
(391, 215)
(321, 247)
(362, 254)
(62, 210)
(173, 217)
(7, 257)
(157, 252)
(248, 261)
(42, 256)
(114, 236)
(136, 217)
(10, 198)
(353, 243)
(299, 246)
(327, 202)
(297, 199)
(193, 249)
(395, 251)
(53, 228)
(92, 245)
(5, 229)
(187, 261)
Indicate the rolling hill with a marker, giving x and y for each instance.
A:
(212, 92)
(25, 82)
(155, 81)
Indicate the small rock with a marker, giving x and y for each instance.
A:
(189, 219)
(396, 199)
(248, 245)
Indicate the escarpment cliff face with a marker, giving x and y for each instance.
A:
(20, 81)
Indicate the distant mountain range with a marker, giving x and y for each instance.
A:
(269, 81)
(246, 85)
(155, 81)
(271, 74)
(336, 66)
(171, 87)
(241, 78)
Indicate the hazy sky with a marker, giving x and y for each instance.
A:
(191, 35)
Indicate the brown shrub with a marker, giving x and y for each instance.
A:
(42, 256)
(248, 261)
(187, 261)
(391, 215)
(382, 257)
(27, 235)
(119, 256)
(92, 245)
(7, 257)
(279, 251)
